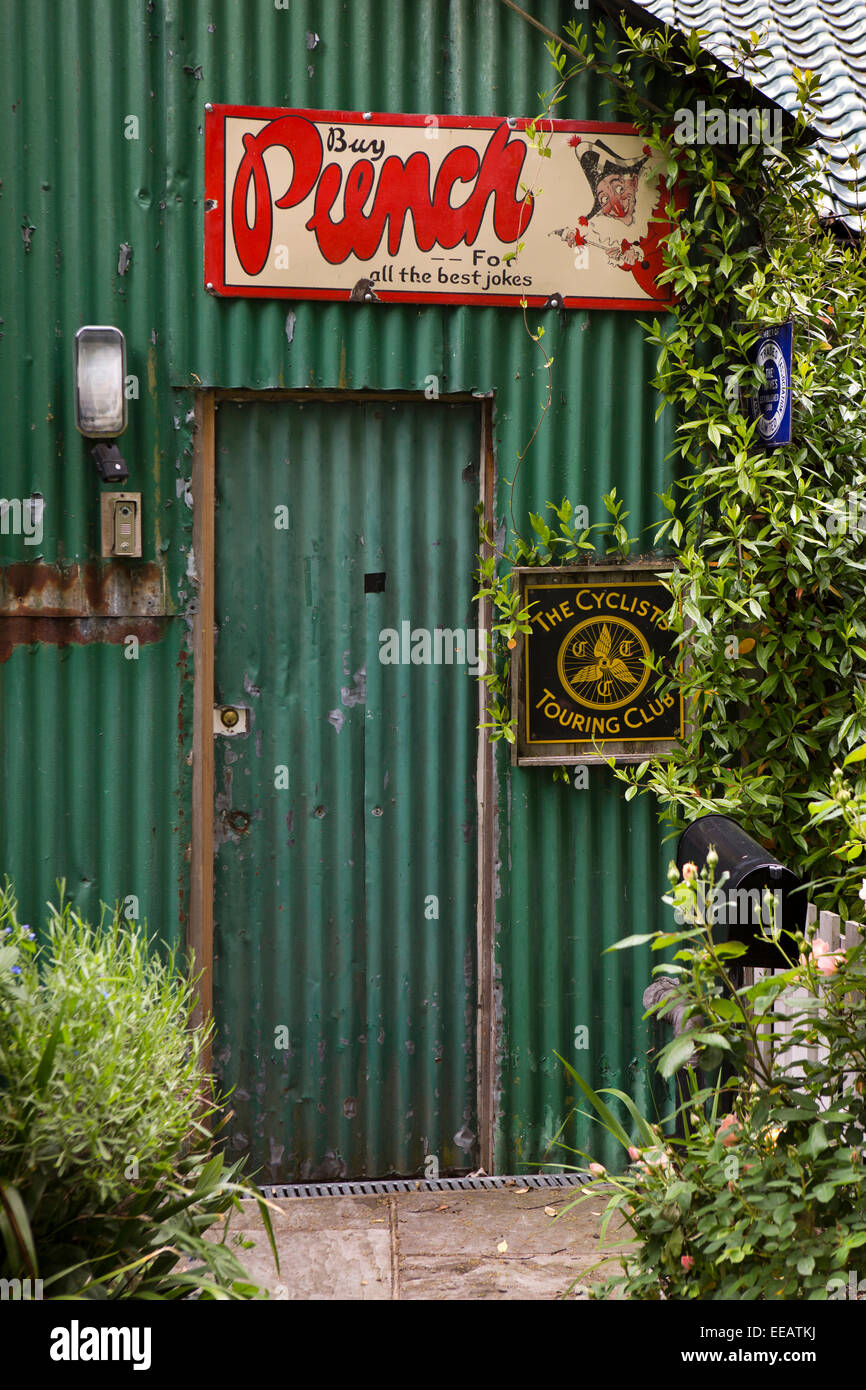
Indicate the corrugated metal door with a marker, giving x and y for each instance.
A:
(345, 837)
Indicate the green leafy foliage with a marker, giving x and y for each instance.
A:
(769, 594)
(845, 805)
(765, 1200)
(770, 587)
(560, 539)
(108, 1179)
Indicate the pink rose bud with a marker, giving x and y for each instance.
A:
(687, 1262)
(829, 964)
(690, 872)
(729, 1130)
(820, 955)
(598, 1169)
(633, 1153)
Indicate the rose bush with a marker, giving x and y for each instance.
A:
(764, 1197)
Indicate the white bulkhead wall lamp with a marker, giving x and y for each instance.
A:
(100, 400)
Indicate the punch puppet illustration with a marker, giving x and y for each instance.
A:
(618, 221)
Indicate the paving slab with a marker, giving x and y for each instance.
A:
(527, 1277)
(437, 1223)
(502, 1243)
(329, 1247)
(323, 1264)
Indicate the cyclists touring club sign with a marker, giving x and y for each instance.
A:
(588, 681)
(445, 209)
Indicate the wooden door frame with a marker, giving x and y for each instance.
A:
(201, 881)
(201, 869)
(488, 1008)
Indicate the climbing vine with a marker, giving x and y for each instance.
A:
(769, 594)
(554, 544)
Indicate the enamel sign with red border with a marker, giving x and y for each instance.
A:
(430, 209)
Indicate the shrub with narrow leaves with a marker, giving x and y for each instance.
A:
(108, 1178)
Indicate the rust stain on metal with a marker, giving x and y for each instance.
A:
(108, 589)
(239, 822)
(78, 632)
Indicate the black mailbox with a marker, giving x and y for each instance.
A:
(738, 911)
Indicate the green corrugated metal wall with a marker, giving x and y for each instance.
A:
(576, 869)
(93, 742)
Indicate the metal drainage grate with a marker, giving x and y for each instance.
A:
(389, 1185)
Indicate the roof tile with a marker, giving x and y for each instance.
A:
(826, 36)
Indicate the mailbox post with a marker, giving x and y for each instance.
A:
(739, 904)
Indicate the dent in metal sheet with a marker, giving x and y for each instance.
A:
(223, 830)
(332, 1168)
(464, 1138)
(355, 694)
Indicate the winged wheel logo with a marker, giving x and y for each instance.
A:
(602, 664)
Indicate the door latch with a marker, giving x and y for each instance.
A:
(230, 720)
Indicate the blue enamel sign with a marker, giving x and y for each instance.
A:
(772, 407)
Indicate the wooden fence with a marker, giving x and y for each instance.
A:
(839, 936)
